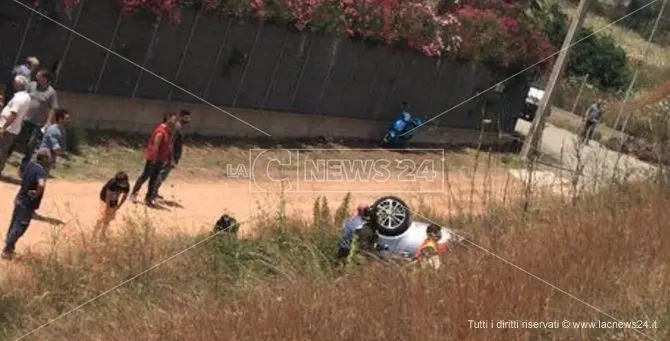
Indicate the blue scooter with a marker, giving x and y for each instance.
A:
(396, 135)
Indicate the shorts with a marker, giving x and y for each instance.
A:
(107, 213)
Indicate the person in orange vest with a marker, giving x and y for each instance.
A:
(430, 249)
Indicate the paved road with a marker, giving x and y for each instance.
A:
(564, 119)
(598, 163)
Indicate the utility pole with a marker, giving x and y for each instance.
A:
(532, 143)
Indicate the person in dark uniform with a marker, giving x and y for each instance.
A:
(359, 238)
(27, 200)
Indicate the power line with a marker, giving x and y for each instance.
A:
(537, 127)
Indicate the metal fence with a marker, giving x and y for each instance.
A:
(245, 64)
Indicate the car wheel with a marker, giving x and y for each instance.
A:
(391, 216)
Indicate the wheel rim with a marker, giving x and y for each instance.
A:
(391, 214)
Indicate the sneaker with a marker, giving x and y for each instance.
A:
(133, 198)
(150, 203)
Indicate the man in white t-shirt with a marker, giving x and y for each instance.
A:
(12, 116)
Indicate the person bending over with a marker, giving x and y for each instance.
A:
(112, 197)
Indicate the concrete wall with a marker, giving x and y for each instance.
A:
(244, 65)
(141, 115)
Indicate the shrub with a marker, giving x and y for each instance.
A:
(601, 59)
(11, 309)
(641, 20)
(413, 23)
(648, 131)
(498, 32)
(597, 56)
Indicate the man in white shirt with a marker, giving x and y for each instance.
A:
(12, 116)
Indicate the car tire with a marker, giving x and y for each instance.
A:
(391, 216)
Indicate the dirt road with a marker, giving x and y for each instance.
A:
(70, 208)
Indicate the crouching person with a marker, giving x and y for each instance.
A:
(226, 224)
(112, 196)
(27, 200)
(359, 237)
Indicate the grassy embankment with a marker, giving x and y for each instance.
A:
(610, 250)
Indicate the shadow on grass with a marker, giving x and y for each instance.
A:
(155, 206)
(10, 180)
(171, 203)
(48, 220)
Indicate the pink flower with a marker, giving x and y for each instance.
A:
(476, 29)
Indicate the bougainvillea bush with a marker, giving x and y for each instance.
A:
(499, 34)
(413, 23)
(496, 32)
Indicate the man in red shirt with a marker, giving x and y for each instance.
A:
(157, 155)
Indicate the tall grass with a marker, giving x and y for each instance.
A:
(611, 250)
(548, 263)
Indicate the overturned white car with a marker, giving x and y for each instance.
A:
(398, 235)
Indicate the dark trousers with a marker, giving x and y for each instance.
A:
(21, 218)
(34, 135)
(342, 252)
(589, 129)
(152, 172)
(27, 129)
(162, 175)
(6, 142)
(35, 140)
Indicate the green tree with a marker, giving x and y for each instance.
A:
(597, 56)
